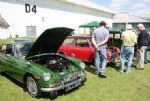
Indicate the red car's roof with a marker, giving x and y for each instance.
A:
(110, 32)
(79, 37)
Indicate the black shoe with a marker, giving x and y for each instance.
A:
(102, 75)
(140, 68)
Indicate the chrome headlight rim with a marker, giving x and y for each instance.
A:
(82, 65)
(46, 76)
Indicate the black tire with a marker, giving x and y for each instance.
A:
(1, 73)
(32, 87)
(53, 95)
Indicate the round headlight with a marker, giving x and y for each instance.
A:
(82, 65)
(46, 76)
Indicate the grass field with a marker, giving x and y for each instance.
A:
(117, 87)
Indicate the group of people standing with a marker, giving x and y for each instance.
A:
(130, 39)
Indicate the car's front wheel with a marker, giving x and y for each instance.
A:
(53, 95)
(32, 87)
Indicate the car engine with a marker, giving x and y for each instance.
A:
(57, 64)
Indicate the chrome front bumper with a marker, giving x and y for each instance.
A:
(67, 86)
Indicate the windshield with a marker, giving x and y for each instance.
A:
(23, 48)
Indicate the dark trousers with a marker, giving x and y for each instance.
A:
(145, 56)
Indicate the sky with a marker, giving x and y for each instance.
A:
(136, 7)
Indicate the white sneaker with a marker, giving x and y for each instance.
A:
(128, 71)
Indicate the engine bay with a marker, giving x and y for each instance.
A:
(55, 63)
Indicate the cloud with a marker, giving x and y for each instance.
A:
(137, 7)
(118, 4)
(142, 12)
(120, 1)
(141, 8)
(146, 1)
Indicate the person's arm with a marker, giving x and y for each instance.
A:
(148, 36)
(94, 43)
(135, 39)
(104, 41)
(138, 40)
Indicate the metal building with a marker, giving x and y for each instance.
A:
(120, 21)
(32, 17)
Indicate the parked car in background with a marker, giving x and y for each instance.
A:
(82, 48)
(39, 67)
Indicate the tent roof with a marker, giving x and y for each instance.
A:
(3, 23)
(90, 24)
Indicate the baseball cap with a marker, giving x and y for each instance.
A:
(140, 25)
(129, 26)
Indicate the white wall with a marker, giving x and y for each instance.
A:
(50, 13)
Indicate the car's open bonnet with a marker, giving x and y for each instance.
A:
(49, 41)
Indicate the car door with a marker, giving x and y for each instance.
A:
(10, 64)
(67, 48)
(3, 59)
(83, 50)
(6, 58)
(18, 68)
(18, 64)
(80, 48)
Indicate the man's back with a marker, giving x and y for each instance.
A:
(129, 38)
(143, 38)
(100, 34)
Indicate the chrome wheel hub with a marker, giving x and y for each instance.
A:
(32, 86)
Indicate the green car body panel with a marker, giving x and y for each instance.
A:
(62, 71)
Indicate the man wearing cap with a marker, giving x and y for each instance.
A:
(129, 39)
(99, 39)
(142, 43)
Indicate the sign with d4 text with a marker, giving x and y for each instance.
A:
(29, 8)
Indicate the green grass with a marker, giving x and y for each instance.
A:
(117, 87)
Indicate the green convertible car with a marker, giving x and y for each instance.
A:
(37, 65)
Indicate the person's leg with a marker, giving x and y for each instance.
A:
(142, 51)
(123, 58)
(103, 58)
(130, 58)
(145, 56)
(97, 61)
(137, 60)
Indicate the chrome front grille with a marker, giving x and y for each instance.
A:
(71, 77)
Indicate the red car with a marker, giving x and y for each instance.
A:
(82, 48)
